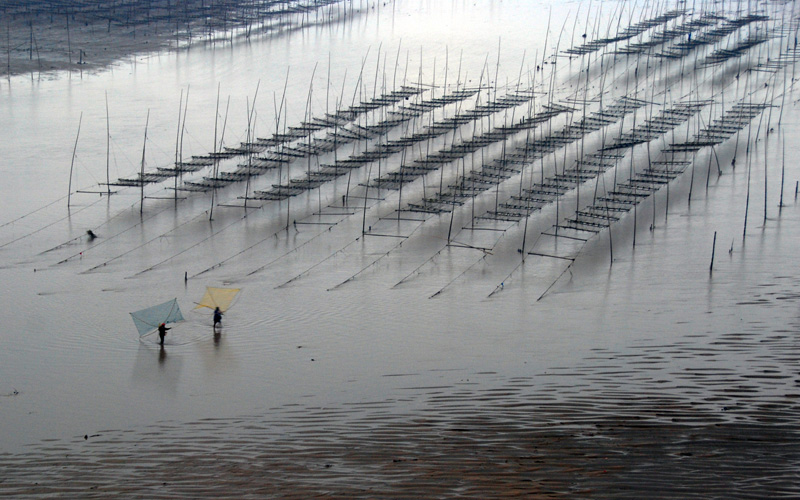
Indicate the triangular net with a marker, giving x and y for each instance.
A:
(148, 319)
(218, 297)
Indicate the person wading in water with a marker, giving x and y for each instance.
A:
(162, 332)
(217, 317)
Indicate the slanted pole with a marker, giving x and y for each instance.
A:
(179, 169)
(108, 147)
(216, 163)
(178, 143)
(141, 175)
(72, 163)
(747, 201)
(713, 250)
(783, 171)
(766, 169)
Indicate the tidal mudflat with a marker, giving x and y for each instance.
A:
(491, 250)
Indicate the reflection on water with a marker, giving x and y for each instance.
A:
(156, 369)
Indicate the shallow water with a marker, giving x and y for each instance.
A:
(335, 324)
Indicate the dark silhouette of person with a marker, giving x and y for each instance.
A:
(217, 317)
(162, 332)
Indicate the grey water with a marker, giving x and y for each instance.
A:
(329, 317)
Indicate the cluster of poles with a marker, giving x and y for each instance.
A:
(185, 21)
(402, 123)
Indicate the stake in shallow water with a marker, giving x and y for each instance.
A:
(713, 250)
(72, 163)
(141, 175)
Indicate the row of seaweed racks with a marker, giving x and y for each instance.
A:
(642, 185)
(588, 167)
(162, 173)
(340, 118)
(541, 194)
(284, 154)
(490, 175)
(546, 191)
(384, 150)
(626, 34)
(720, 56)
(338, 138)
(664, 36)
(709, 37)
(720, 129)
(422, 166)
(345, 132)
(196, 163)
(664, 121)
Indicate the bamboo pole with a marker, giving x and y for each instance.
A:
(108, 148)
(214, 157)
(713, 251)
(72, 163)
(141, 175)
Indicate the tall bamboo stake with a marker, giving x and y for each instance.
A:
(141, 174)
(214, 155)
(178, 143)
(72, 163)
(108, 147)
(713, 250)
(250, 113)
(179, 166)
(783, 171)
(747, 200)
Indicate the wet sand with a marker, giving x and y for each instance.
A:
(467, 444)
